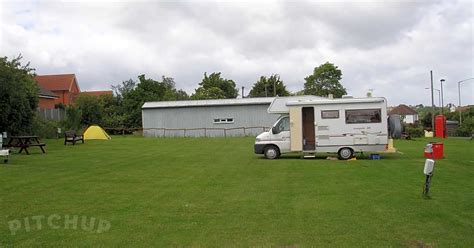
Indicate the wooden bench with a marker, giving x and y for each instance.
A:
(72, 137)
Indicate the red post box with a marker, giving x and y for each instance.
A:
(434, 150)
(440, 126)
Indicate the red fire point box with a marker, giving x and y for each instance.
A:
(434, 150)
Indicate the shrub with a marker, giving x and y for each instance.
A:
(44, 128)
(467, 127)
(414, 131)
(73, 118)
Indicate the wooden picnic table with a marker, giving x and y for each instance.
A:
(24, 142)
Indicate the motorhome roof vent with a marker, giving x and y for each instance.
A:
(347, 96)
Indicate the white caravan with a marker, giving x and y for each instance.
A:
(311, 125)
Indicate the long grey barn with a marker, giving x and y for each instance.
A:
(210, 118)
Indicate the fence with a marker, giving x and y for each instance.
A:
(190, 132)
(52, 114)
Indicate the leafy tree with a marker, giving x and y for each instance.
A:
(270, 83)
(211, 93)
(467, 126)
(181, 95)
(324, 81)
(73, 118)
(427, 120)
(91, 110)
(124, 88)
(297, 93)
(215, 87)
(134, 95)
(18, 96)
(112, 114)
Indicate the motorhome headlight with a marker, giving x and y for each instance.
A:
(258, 139)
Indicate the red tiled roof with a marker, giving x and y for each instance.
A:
(403, 109)
(45, 93)
(97, 93)
(56, 82)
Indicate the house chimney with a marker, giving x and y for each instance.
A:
(243, 92)
(331, 96)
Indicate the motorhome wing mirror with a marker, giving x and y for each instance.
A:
(274, 130)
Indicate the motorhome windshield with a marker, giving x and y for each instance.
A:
(282, 125)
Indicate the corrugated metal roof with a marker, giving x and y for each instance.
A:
(215, 102)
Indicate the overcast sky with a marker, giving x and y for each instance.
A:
(388, 47)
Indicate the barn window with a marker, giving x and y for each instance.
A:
(363, 116)
(223, 120)
(330, 114)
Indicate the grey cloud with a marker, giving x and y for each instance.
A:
(388, 47)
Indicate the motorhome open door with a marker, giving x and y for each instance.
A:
(296, 130)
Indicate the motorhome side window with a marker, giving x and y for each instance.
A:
(223, 120)
(363, 116)
(283, 125)
(330, 114)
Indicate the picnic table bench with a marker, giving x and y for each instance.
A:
(25, 142)
(72, 137)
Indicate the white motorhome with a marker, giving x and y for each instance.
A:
(313, 124)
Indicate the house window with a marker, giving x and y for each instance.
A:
(223, 120)
(330, 114)
(363, 116)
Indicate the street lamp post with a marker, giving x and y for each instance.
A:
(459, 95)
(442, 97)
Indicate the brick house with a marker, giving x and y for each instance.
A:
(64, 86)
(408, 114)
(47, 99)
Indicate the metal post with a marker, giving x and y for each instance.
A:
(459, 105)
(459, 94)
(432, 103)
(442, 97)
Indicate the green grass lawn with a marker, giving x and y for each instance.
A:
(214, 192)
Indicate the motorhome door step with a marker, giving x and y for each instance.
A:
(309, 155)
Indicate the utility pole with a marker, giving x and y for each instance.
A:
(432, 102)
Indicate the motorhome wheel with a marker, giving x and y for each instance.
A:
(345, 153)
(272, 152)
